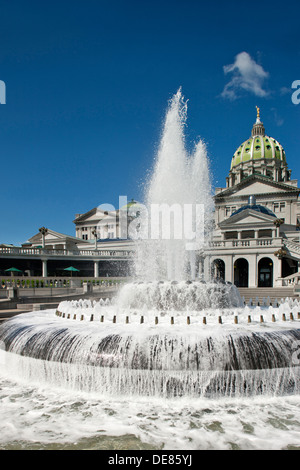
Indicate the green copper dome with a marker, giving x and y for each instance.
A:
(258, 146)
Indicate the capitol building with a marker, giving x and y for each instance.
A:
(255, 242)
(257, 215)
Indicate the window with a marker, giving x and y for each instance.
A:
(84, 237)
(231, 235)
(279, 207)
(247, 234)
(229, 210)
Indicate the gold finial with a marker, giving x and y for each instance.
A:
(258, 112)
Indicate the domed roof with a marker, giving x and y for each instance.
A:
(254, 207)
(132, 205)
(258, 146)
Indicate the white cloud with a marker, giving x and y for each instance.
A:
(247, 75)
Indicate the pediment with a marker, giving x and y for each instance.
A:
(50, 236)
(248, 217)
(255, 185)
(94, 216)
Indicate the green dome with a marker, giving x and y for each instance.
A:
(256, 148)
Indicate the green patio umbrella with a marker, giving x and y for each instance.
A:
(13, 270)
(72, 270)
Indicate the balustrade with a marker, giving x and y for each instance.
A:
(56, 282)
(242, 243)
(6, 251)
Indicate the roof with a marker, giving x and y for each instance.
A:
(281, 186)
(255, 207)
(259, 146)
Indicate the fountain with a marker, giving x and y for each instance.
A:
(171, 332)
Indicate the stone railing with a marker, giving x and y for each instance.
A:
(24, 282)
(239, 243)
(292, 246)
(291, 281)
(38, 252)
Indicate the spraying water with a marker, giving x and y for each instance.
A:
(179, 204)
(152, 339)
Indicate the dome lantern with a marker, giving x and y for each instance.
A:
(258, 127)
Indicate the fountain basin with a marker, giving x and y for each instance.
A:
(119, 358)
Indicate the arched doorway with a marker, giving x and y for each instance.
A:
(241, 272)
(218, 269)
(265, 272)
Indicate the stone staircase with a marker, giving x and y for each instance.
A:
(265, 292)
(293, 248)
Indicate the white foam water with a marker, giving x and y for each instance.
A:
(36, 416)
(119, 382)
(153, 360)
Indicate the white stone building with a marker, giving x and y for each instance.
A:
(255, 242)
(256, 238)
(100, 224)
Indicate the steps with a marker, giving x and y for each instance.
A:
(264, 292)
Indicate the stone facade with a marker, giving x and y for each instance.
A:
(255, 242)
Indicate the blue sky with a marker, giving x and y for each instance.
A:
(87, 86)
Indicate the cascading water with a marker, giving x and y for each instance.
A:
(152, 340)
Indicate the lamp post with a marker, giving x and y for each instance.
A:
(43, 231)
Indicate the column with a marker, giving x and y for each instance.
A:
(277, 271)
(207, 269)
(252, 273)
(44, 268)
(229, 274)
(96, 268)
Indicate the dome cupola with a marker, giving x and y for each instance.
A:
(258, 147)
(260, 154)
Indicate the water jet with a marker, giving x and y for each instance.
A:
(231, 349)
